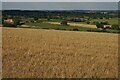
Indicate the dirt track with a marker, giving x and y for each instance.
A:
(37, 53)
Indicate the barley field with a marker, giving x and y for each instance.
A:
(39, 53)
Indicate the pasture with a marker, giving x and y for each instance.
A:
(110, 21)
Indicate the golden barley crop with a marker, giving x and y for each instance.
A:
(37, 53)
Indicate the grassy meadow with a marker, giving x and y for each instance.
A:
(110, 21)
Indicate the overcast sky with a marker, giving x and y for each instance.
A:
(60, 5)
(60, 0)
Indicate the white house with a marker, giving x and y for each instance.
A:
(9, 20)
(107, 26)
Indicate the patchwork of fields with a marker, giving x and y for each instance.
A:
(37, 53)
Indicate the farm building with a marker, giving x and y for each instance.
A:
(107, 26)
(9, 20)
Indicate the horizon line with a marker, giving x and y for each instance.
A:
(61, 9)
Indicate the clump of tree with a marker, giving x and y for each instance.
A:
(99, 25)
(97, 30)
(77, 20)
(104, 23)
(40, 21)
(48, 19)
(75, 29)
(16, 22)
(36, 18)
(64, 22)
(116, 27)
(88, 22)
(5, 24)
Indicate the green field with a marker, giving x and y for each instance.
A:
(110, 21)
